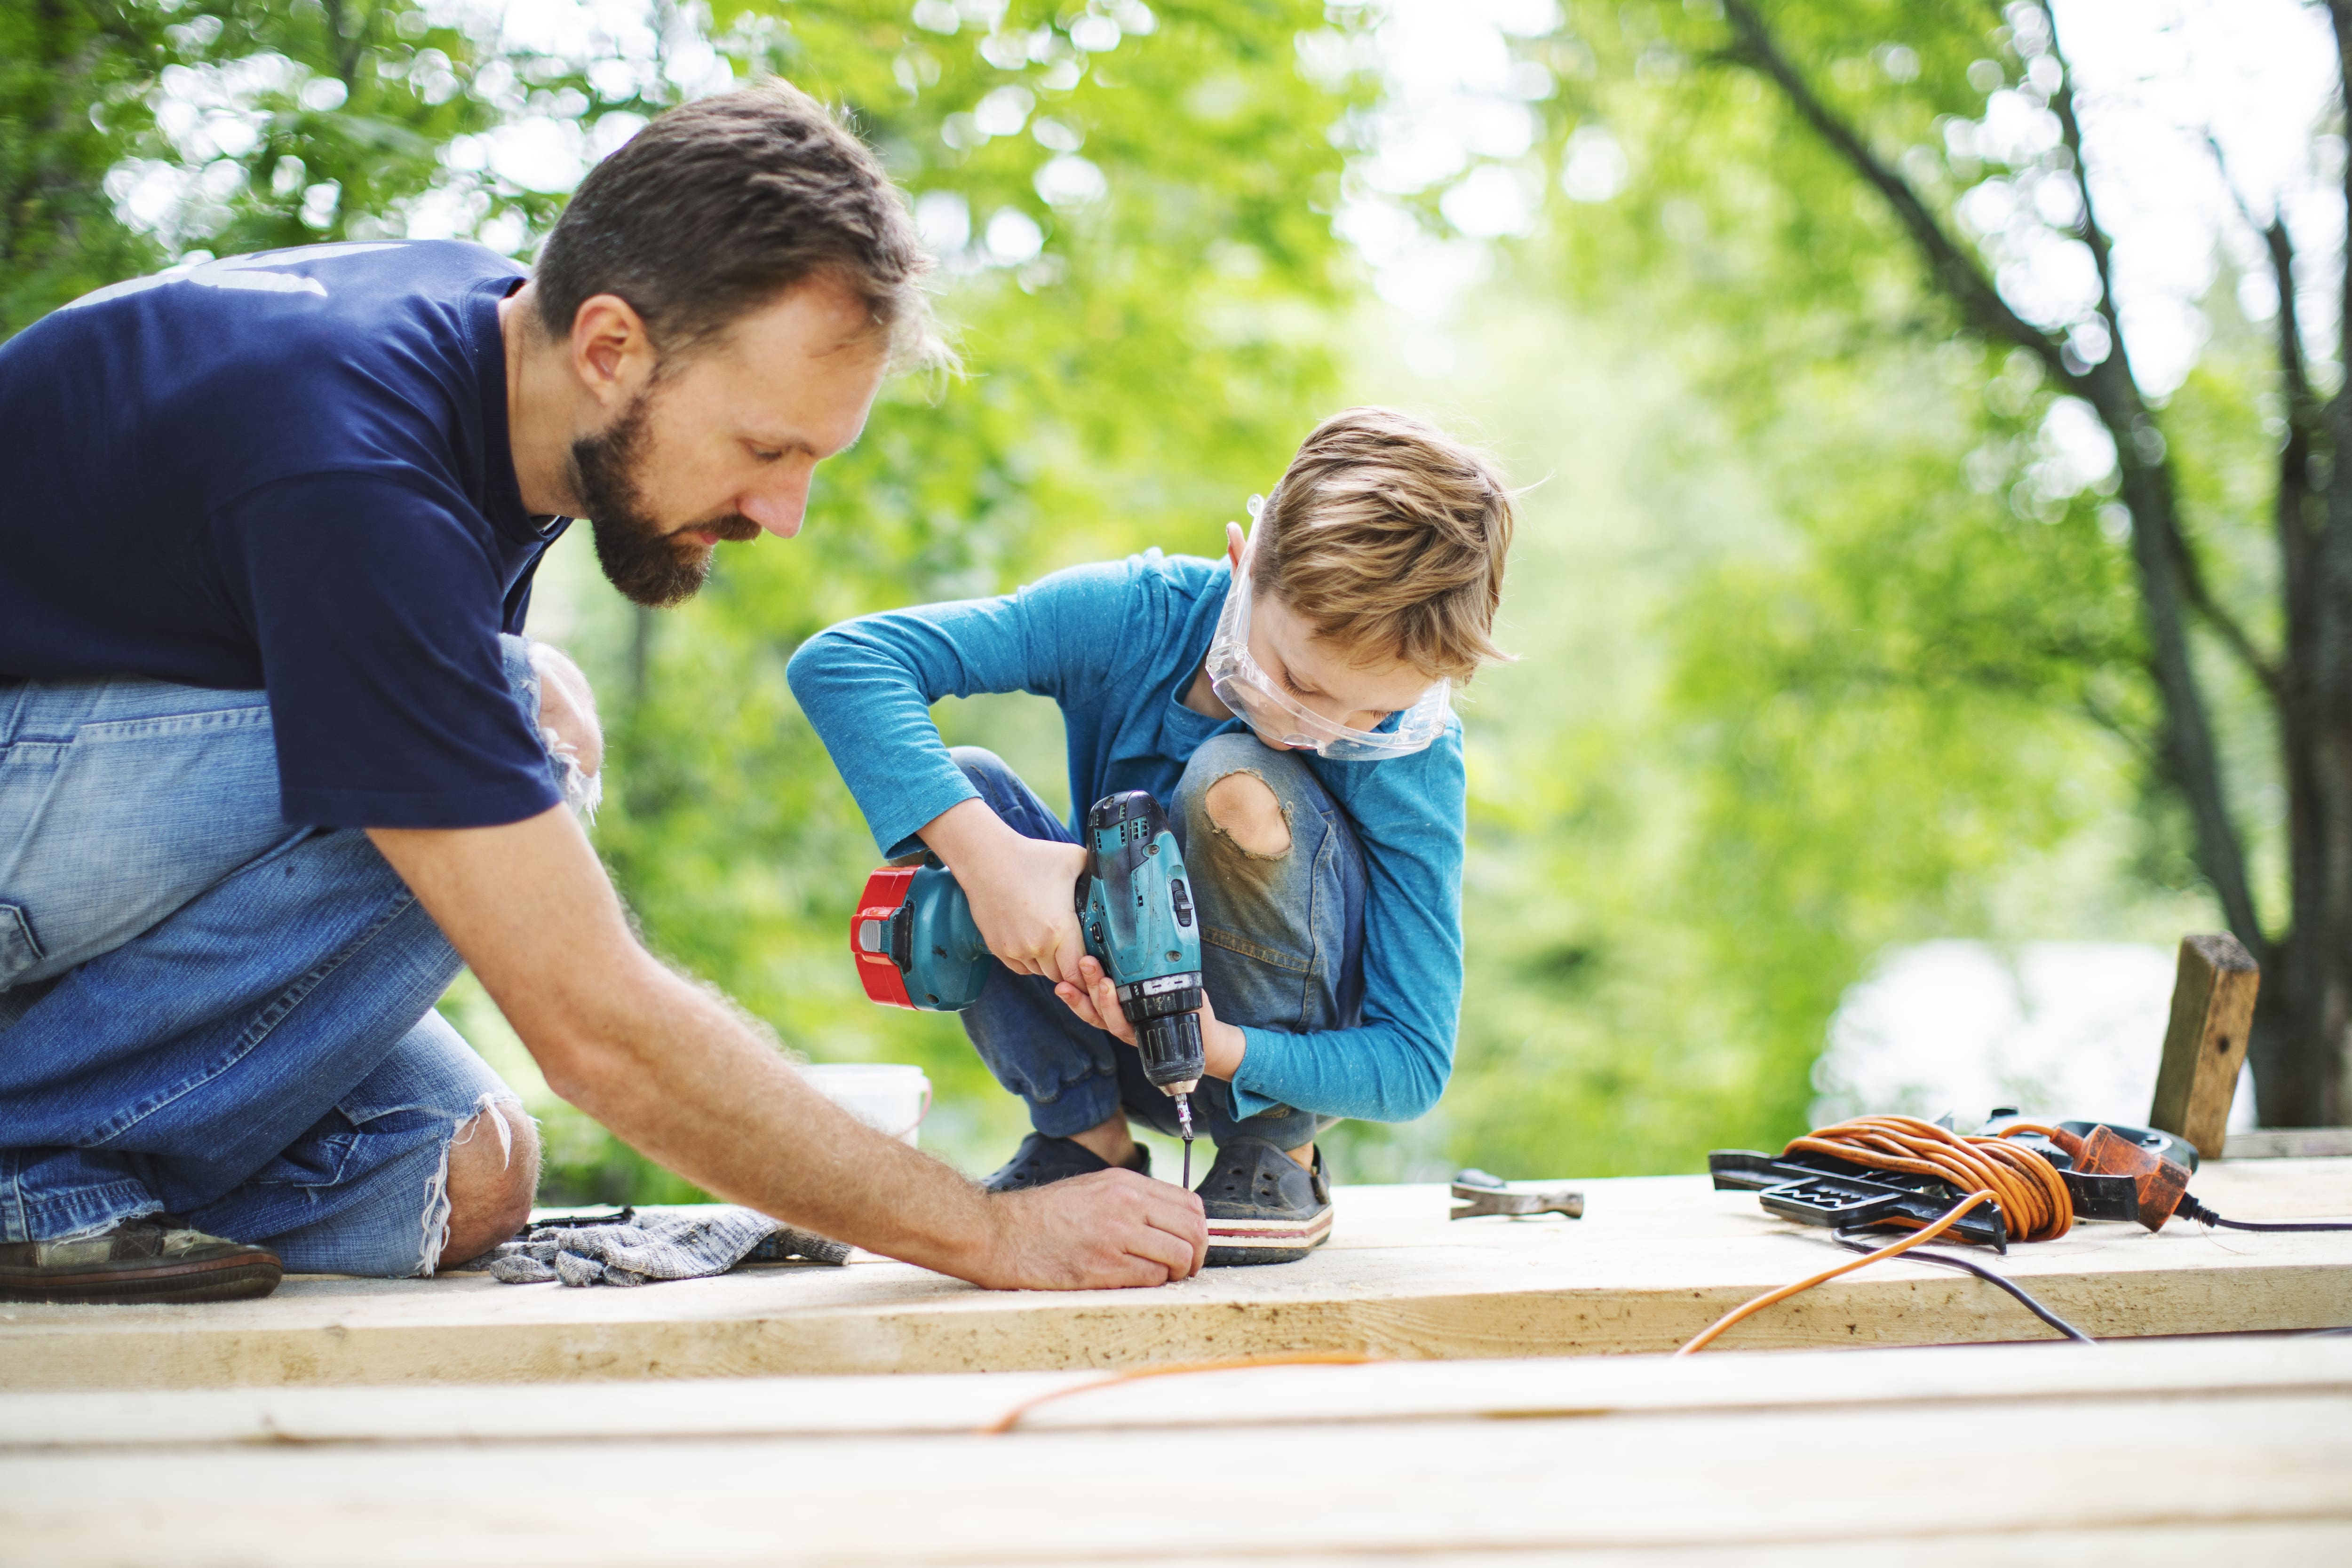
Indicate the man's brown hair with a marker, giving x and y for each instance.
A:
(1387, 537)
(719, 207)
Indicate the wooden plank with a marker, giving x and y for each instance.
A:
(2205, 1042)
(2261, 1476)
(2289, 1142)
(1654, 1260)
(957, 1403)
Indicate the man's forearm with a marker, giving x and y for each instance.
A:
(672, 1069)
(668, 1066)
(724, 1096)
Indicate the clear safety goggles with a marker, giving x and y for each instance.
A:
(1254, 696)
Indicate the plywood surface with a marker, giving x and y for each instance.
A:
(1654, 1261)
(2027, 1453)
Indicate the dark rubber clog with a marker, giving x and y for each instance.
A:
(1262, 1206)
(1041, 1159)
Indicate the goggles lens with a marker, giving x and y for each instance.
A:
(1244, 687)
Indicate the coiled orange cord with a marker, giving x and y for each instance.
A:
(2032, 1195)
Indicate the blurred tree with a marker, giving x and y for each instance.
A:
(1799, 204)
(134, 133)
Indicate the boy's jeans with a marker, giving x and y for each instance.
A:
(1281, 947)
(204, 1010)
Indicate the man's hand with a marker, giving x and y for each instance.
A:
(1096, 1000)
(674, 1070)
(1021, 889)
(1050, 1244)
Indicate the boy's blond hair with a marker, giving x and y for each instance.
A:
(1387, 537)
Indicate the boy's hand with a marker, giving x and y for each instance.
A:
(1021, 889)
(1096, 1001)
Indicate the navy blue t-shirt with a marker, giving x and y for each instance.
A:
(288, 472)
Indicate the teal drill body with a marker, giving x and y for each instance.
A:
(1134, 905)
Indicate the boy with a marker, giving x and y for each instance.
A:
(1290, 704)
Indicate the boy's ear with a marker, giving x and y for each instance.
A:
(1233, 544)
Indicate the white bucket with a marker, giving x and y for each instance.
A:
(887, 1097)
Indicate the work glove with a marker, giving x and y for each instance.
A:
(638, 1245)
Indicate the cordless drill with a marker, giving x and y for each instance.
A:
(916, 946)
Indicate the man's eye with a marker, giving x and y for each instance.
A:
(764, 455)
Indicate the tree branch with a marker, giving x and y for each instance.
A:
(1959, 273)
(2191, 758)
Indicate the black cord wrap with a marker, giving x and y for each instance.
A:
(2190, 1209)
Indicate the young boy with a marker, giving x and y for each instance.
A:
(1289, 705)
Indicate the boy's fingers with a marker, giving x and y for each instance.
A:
(1075, 1000)
(1069, 951)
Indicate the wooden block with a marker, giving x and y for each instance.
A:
(2205, 1044)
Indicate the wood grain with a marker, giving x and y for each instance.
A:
(1782, 1461)
(2205, 1042)
(1655, 1259)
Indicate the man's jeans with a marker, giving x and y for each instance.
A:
(204, 1010)
(1281, 947)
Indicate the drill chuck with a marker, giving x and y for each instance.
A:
(1172, 1058)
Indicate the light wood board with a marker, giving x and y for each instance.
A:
(2236, 1450)
(1654, 1260)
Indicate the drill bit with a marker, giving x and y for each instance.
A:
(1184, 1120)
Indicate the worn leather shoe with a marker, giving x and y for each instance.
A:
(152, 1259)
(1262, 1206)
(1041, 1159)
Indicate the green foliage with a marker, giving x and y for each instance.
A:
(1916, 677)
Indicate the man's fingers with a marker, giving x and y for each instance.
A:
(1174, 1233)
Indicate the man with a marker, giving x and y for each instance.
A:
(273, 758)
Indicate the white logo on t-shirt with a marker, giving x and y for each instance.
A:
(246, 272)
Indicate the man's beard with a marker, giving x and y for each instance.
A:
(649, 565)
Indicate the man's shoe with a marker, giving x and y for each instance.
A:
(1262, 1206)
(152, 1259)
(1041, 1159)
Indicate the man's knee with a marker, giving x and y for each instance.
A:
(1244, 808)
(493, 1180)
(567, 709)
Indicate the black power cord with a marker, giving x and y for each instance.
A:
(1922, 1254)
(2190, 1209)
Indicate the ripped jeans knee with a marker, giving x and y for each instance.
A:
(1243, 807)
(561, 708)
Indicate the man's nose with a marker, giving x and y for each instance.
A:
(778, 506)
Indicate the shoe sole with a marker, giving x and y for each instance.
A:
(225, 1280)
(1238, 1242)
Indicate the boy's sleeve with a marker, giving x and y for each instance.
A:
(1408, 814)
(868, 686)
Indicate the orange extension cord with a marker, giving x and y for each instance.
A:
(1011, 1418)
(2032, 1198)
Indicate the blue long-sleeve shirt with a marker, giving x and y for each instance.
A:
(1117, 646)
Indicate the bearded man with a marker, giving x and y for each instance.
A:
(275, 758)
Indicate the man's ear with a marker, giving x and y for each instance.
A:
(611, 353)
(1234, 543)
